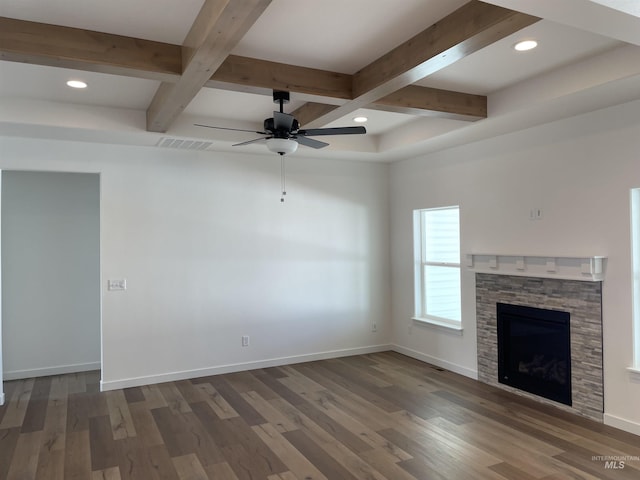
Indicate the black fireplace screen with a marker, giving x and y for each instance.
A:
(534, 352)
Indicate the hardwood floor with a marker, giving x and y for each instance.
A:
(379, 416)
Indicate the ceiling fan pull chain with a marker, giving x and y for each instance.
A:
(282, 178)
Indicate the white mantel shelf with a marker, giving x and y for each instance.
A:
(590, 269)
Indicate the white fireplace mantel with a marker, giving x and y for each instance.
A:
(591, 269)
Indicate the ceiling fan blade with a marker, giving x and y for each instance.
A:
(313, 132)
(310, 142)
(255, 140)
(282, 121)
(232, 129)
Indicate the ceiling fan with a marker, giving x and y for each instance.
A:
(283, 134)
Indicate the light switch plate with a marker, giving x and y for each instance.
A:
(118, 284)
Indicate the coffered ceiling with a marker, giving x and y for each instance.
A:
(428, 74)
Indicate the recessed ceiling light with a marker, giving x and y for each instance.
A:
(360, 119)
(76, 84)
(525, 45)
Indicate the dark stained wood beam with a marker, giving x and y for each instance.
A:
(216, 31)
(75, 48)
(472, 27)
(433, 102)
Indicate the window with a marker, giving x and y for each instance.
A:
(635, 245)
(437, 266)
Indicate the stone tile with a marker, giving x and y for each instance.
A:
(583, 301)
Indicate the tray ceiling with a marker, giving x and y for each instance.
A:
(216, 62)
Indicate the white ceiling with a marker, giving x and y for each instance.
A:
(160, 20)
(588, 57)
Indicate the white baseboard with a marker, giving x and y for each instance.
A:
(237, 367)
(45, 372)
(622, 424)
(438, 362)
(1, 398)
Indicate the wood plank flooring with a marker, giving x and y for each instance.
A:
(378, 416)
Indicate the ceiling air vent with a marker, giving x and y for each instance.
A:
(182, 144)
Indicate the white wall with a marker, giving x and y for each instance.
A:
(580, 172)
(2, 396)
(210, 254)
(51, 273)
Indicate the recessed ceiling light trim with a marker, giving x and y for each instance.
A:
(76, 84)
(525, 45)
(360, 119)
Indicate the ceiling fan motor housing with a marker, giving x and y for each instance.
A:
(269, 126)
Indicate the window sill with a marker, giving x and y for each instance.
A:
(439, 325)
(634, 373)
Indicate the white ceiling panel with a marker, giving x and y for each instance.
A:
(159, 20)
(46, 83)
(632, 7)
(499, 65)
(378, 121)
(210, 102)
(337, 35)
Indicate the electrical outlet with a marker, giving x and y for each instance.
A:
(374, 327)
(245, 340)
(535, 214)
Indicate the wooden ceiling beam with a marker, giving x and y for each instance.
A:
(75, 48)
(412, 100)
(433, 102)
(262, 74)
(261, 77)
(66, 47)
(472, 27)
(215, 32)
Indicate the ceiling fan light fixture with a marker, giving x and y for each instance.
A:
(282, 146)
(525, 45)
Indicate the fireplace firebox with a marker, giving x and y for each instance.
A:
(534, 351)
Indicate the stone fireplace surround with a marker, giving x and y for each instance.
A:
(583, 301)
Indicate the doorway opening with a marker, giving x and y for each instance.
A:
(50, 256)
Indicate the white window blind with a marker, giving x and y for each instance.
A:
(437, 265)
